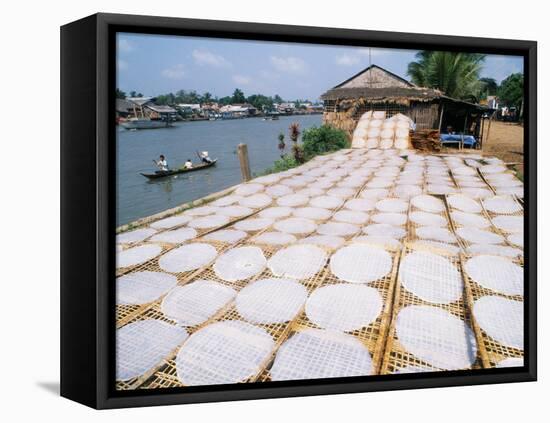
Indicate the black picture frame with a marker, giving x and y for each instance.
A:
(88, 212)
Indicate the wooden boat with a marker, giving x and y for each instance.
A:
(162, 174)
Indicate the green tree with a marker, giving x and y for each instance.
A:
(456, 74)
(323, 140)
(120, 94)
(277, 99)
(238, 96)
(260, 101)
(510, 91)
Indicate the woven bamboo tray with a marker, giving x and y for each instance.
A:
(395, 356)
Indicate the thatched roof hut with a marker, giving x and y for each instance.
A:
(376, 88)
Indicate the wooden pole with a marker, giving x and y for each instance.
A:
(441, 116)
(242, 151)
(489, 126)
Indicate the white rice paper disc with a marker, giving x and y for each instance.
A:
(208, 222)
(276, 212)
(295, 225)
(493, 169)
(175, 236)
(313, 213)
(270, 301)
(256, 201)
(510, 362)
(137, 255)
(278, 191)
(275, 238)
(501, 319)
(360, 263)
(383, 229)
(143, 344)
(170, 222)
(344, 307)
(222, 353)
(517, 191)
(431, 277)
(397, 219)
(235, 211)
(497, 250)
(496, 273)
(227, 200)
(143, 287)
(254, 224)
(479, 236)
(226, 235)
(201, 211)
(407, 191)
(337, 229)
(360, 204)
(436, 337)
(311, 192)
(470, 220)
(187, 257)
(516, 239)
(422, 218)
(249, 189)
(292, 200)
(435, 234)
(440, 189)
(392, 205)
(316, 354)
(344, 193)
(328, 241)
(437, 245)
(196, 302)
(240, 263)
(380, 241)
(477, 193)
(401, 143)
(509, 223)
(134, 236)
(349, 216)
(326, 202)
(428, 203)
(298, 261)
(374, 193)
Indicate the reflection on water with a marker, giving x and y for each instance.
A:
(138, 197)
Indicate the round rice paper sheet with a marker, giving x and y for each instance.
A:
(240, 263)
(201, 211)
(175, 236)
(229, 236)
(298, 261)
(397, 219)
(509, 223)
(326, 202)
(384, 229)
(249, 189)
(440, 189)
(401, 143)
(435, 234)
(349, 216)
(463, 170)
(227, 200)
(464, 203)
(208, 222)
(270, 301)
(222, 353)
(344, 193)
(134, 236)
(379, 241)
(493, 169)
(374, 193)
(187, 257)
(311, 192)
(479, 236)
(344, 307)
(517, 191)
(170, 222)
(337, 228)
(143, 344)
(516, 239)
(137, 255)
(431, 277)
(292, 200)
(380, 182)
(407, 191)
(497, 250)
(360, 263)
(295, 225)
(496, 273)
(428, 203)
(392, 205)
(360, 204)
(278, 191)
(313, 213)
(501, 319)
(196, 302)
(510, 362)
(254, 224)
(256, 201)
(477, 193)
(470, 220)
(235, 211)
(327, 241)
(436, 337)
(275, 238)
(422, 218)
(267, 179)
(143, 287)
(319, 354)
(437, 245)
(276, 212)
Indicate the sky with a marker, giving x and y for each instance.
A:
(159, 64)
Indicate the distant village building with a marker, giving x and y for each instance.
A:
(232, 111)
(143, 107)
(375, 88)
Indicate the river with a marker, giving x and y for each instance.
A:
(138, 197)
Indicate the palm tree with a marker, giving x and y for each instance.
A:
(456, 74)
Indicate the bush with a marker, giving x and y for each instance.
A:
(323, 140)
(284, 163)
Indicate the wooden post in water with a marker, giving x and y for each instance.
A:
(242, 151)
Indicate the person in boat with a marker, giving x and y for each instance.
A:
(162, 164)
(205, 158)
(188, 164)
